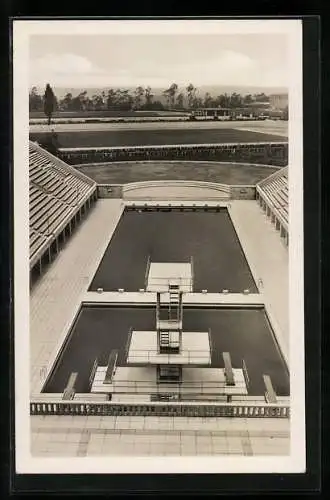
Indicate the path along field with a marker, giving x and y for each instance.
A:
(279, 127)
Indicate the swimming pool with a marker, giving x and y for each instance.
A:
(172, 235)
(243, 332)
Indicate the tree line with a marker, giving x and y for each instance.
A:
(141, 98)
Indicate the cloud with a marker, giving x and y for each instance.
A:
(228, 67)
(62, 68)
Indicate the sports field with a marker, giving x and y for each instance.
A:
(226, 173)
(175, 236)
(244, 333)
(155, 137)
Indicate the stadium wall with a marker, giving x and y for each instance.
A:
(275, 153)
(109, 191)
(242, 192)
(185, 190)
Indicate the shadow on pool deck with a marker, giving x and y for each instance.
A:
(245, 333)
(209, 237)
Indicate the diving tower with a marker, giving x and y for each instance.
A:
(169, 362)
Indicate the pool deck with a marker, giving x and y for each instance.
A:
(268, 259)
(54, 302)
(62, 285)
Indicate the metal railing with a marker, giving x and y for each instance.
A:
(166, 282)
(173, 409)
(184, 387)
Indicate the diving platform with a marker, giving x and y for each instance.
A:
(160, 276)
(191, 381)
(143, 349)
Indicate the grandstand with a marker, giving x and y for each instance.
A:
(69, 353)
(58, 196)
(273, 196)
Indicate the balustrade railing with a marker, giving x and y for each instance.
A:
(159, 409)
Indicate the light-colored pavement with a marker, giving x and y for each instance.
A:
(56, 297)
(96, 436)
(268, 259)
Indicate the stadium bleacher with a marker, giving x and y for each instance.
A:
(274, 193)
(57, 193)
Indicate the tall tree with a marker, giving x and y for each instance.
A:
(49, 102)
(96, 102)
(235, 100)
(173, 90)
(286, 113)
(197, 102)
(35, 100)
(66, 102)
(191, 93)
(148, 97)
(208, 101)
(111, 99)
(138, 94)
(169, 94)
(180, 100)
(248, 99)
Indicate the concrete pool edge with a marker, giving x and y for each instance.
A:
(197, 299)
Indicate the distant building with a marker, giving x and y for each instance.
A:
(279, 101)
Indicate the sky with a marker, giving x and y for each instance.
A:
(82, 61)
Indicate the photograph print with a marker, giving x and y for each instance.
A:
(158, 176)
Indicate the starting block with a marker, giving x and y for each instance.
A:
(69, 391)
(270, 394)
(111, 367)
(228, 369)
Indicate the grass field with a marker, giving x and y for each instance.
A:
(104, 138)
(226, 173)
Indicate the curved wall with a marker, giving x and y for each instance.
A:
(183, 190)
(176, 190)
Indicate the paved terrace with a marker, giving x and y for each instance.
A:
(268, 259)
(54, 302)
(56, 296)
